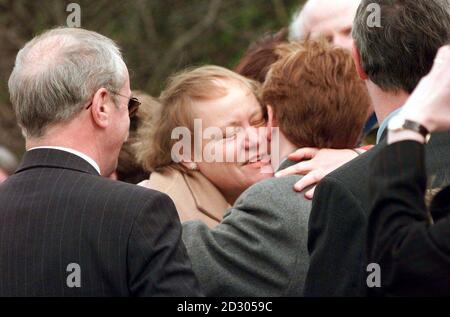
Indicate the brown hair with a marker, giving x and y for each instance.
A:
(260, 55)
(317, 97)
(182, 90)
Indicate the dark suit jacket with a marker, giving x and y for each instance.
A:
(339, 216)
(56, 210)
(413, 253)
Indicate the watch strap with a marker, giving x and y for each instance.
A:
(417, 127)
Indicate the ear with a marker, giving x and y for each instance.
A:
(357, 59)
(270, 122)
(101, 108)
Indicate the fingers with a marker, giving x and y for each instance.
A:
(310, 193)
(301, 168)
(305, 153)
(310, 179)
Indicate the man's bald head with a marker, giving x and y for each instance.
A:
(57, 72)
(331, 19)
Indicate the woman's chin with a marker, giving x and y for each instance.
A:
(257, 171)
(259, 166)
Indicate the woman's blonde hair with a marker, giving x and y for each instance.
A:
(154, 143)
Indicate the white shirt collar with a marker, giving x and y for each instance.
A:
(72, 151)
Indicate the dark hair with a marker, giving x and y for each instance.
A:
(398, 54)
(129, 170)
(260, 55)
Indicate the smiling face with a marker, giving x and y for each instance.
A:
(239, 116)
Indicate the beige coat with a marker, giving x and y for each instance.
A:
(195, 197)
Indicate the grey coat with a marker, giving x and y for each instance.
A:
(260, 247)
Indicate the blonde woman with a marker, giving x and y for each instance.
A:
(221, 99)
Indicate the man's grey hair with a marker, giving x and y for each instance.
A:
(8, 161)
(57, 73)
(398, 54)
(299, 28)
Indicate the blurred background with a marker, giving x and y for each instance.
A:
(157, 37)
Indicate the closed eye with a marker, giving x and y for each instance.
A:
(258, 122)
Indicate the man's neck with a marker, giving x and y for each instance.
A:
(68, 144)
(385, 102)
(285, 147)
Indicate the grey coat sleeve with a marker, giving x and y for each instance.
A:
(259, 249)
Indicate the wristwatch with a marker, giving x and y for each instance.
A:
(399, 123)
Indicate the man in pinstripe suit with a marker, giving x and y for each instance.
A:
(64, 229)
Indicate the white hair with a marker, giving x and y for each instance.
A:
(56, 74)
(298, 29)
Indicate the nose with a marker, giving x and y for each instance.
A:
(252, 138)
(256, 143)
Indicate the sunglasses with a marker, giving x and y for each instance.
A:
(133, 104)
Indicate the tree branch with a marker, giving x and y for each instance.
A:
(183, 40)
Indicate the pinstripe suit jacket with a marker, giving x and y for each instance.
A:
(66, 231)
